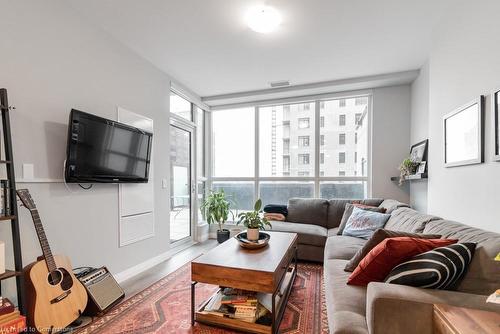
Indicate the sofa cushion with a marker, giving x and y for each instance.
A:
(483, 276)
(308, 234)
(349, 208)
(345, 304)
(308, 211)
(408, 220)
(440, 268)
(363, 223)
(378, 237)
(391, 205)
(377, 264)
(336, 208)
(342, 247)
(333, 231)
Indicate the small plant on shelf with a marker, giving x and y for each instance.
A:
(408, 167)
(216, 209)
(253, 221)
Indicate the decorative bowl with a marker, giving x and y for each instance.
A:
(245, 243)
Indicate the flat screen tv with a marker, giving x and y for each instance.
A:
(102, 150)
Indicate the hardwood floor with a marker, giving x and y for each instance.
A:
(150, 276)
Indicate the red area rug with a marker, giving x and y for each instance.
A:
(164, 307)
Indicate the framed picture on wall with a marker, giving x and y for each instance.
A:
(463, 131)
(418, 151)
(495, 109)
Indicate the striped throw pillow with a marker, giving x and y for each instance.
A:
(440, 268)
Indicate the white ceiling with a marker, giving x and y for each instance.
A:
(205, 44)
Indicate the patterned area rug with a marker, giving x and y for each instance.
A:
(164, 307)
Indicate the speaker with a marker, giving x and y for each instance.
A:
(103, 290)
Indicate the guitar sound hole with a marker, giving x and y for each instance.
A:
(55, 277)
(62, 277)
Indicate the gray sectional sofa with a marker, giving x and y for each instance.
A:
(380, 307)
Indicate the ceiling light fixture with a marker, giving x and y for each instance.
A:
(263, 19)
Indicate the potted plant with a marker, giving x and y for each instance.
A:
(216, 210)
(253, 221)
(408, 167)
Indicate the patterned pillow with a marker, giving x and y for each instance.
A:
(362, 223)
(440, 268)
(348, 212)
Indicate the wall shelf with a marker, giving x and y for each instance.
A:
(415, 177)
(9, 274)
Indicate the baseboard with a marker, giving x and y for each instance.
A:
(141, 267)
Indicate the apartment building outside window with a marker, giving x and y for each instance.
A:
(341, 138)
(342, 120)
(304, 141)
(342, 103)
(304, 123)
(288, 138)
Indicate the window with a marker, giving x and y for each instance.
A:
(180, 106)
(233, 158)
(303, 159)
(342, 120)
(304, 123)
(200, 141)
(286, 164)
(277, 141)
(287, 147)
(304, 141)
(341, 157)
(341, 138)
(358, 119)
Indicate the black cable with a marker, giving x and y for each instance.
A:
(87, 187)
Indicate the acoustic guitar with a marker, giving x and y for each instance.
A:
(55, 297)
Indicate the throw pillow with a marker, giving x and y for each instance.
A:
(377, 238)
(440, 268)
(378, 263)
(348, 211)
(363, 223)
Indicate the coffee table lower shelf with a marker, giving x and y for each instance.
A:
(281, 297)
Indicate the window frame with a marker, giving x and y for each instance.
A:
(317, 177)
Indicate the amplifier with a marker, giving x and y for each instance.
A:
(103, 290)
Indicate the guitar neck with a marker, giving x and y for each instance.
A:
(44, 244)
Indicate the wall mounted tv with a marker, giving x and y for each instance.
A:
(100, 150)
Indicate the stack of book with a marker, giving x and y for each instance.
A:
(237, 304)
(11, 321)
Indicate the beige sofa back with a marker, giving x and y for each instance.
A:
(483, 276)
(408, 220)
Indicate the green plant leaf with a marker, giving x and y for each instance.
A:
(258, 205)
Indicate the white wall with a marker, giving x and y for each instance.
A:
(390, 140)
(53, 60)
(419, 132)
(463, 65)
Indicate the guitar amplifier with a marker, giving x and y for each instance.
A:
(103, 290)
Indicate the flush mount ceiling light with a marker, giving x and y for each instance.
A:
(263, 19)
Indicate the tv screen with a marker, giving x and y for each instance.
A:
(102, 150)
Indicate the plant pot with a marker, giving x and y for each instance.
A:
(222, 235)
(253, 234)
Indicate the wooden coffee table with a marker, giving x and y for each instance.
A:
(271, 269)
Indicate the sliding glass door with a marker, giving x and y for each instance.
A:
(181, 195)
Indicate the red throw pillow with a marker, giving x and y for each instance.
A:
(378, 263)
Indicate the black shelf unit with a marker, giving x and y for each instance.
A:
(414, 177)
(11, 216)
